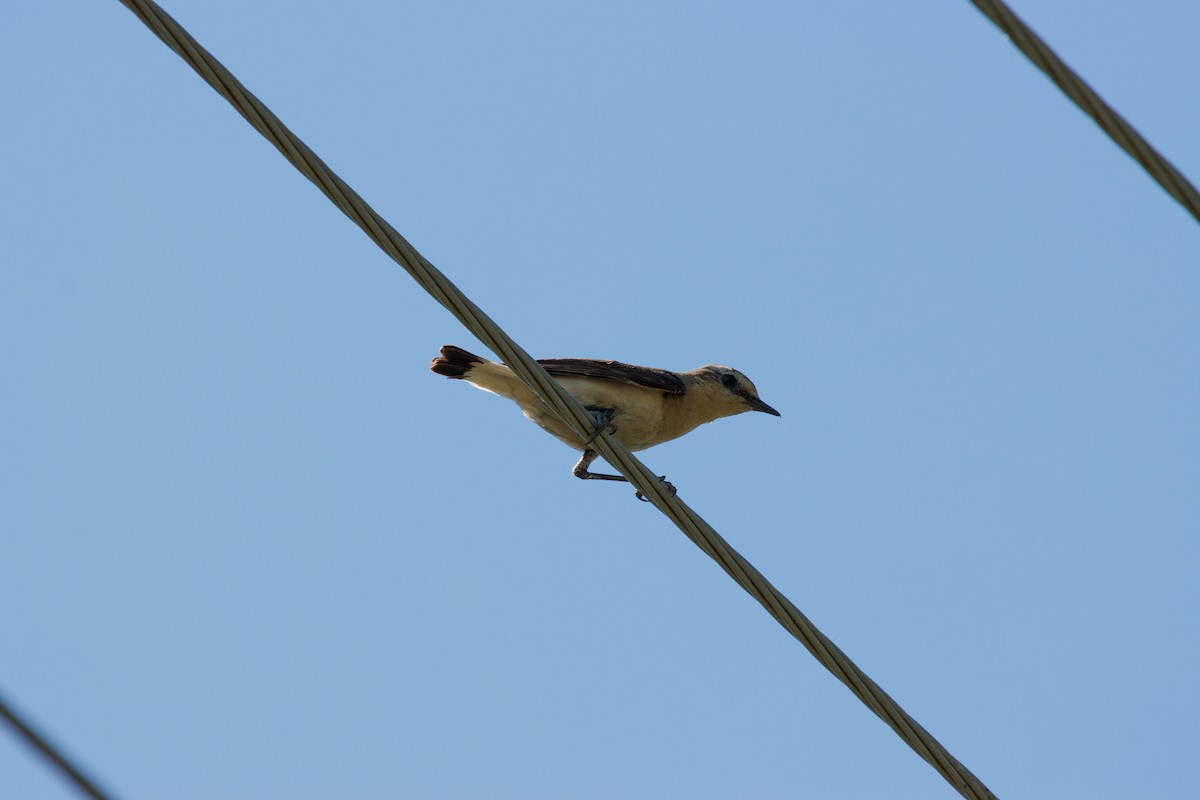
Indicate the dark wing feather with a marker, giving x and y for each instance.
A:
(651, 378)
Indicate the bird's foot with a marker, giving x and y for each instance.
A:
(604, 424)
(670, 487)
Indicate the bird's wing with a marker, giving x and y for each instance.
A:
(649, 377)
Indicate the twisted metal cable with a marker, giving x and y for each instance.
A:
(1092, 104)
(51, 752)
(563, 404)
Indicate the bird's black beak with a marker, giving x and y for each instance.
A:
(759, 405)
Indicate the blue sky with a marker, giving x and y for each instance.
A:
(253, 548)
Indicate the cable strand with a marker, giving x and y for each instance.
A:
(1079, 92)
(52, 753)
(557, 399)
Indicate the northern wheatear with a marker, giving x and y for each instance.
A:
(641, 406)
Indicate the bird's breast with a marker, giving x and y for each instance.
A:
(637, 411)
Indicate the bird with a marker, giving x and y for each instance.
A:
(641, 406)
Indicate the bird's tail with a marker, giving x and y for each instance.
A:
(454, 362)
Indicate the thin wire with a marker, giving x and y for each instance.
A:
(1074, 87)
(51, 753)
(555, 397)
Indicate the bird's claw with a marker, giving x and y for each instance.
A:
(609, 428)
(670, 487)
(604, 424)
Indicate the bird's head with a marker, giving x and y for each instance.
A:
(729, 390)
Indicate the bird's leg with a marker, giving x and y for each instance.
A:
(581, 471)
(603, 417)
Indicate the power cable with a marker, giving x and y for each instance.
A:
(555, 397)
(49, 751)
(1074, 87)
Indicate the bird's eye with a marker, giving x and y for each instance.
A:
(729, 381)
